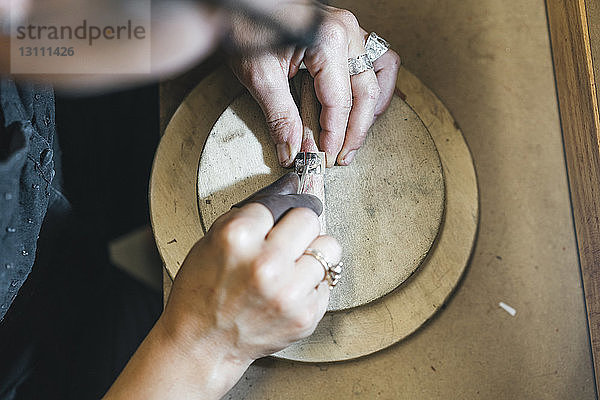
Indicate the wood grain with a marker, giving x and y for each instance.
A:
(576, 87)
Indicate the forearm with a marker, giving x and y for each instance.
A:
(166, 367)
(230, 303)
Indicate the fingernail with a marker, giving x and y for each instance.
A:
(348, 158)
(283, 153)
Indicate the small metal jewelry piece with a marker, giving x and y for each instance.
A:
(359, 64)
(308, 163)
(376, 46)
(332, 272)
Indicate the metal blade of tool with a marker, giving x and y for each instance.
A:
(310, 162)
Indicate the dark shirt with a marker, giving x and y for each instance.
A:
(28, 181)
(69, 320)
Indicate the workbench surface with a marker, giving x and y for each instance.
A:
(490, 63)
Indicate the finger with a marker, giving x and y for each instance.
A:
(254, 218)
(316, 302)
(288, 183)
(309, 271)
(267, 81)
(328, 64)
(292, 235)
(296, 61)
(323, 292)
(279, 204)
(365, 93)
(275, 198)
(305, 309)
(335, 110)
(386, 69)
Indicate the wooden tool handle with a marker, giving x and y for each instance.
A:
(309, 112)
(314, 183)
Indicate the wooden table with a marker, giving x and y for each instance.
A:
(491, 64)
(575, 32)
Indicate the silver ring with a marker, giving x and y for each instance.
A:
(332, 272)
(359, 64)
(376, 46)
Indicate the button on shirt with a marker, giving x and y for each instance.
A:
(27, 180)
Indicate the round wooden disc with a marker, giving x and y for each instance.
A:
(385, 209)
(361, 330)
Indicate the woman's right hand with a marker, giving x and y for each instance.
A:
(247, 284)
(244, 291)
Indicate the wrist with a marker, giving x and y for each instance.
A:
(213, 363)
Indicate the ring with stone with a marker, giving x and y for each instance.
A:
(332, 272)
(376, 46)
(359, 64)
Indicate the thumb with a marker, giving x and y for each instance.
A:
(267, 81)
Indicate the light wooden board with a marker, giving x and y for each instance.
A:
(385, 208)
(363, 330)
(577, 95)
(173, 183)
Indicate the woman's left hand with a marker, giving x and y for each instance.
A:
(349, 104)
